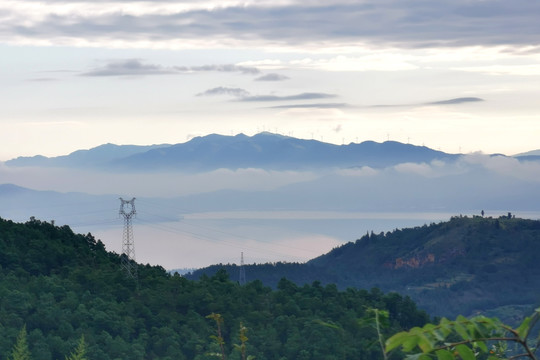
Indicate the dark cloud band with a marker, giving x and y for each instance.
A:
(403, 23)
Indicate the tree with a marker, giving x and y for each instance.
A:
(218, 338)
(80, 351)
(20, 349)
(469, 339)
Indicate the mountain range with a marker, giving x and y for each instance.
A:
(264, 150)
(268, 188)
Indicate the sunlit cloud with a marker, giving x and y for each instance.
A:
(520, 70)
(382, 62)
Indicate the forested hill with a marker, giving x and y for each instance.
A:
(62, 286)
(461, 266)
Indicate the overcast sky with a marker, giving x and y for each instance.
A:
(459, 75)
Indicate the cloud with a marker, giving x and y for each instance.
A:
(373, 61)
(136, 67)
(248, 70)
(309, 106)
(520, 70)
(237, 92)
(244, 95)
(470, 164)
(358, 172)
(404, 23)
(504, 165)
(166, 184)
(302, 96)
(431, 170)
(454, 101)
(272, 77)
(129, 67)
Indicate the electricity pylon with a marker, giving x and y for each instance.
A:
(127, 209)
(242, 274)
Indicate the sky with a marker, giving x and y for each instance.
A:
(460, 76)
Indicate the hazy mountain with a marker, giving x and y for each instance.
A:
(73, 208)
(529, 153)
(264, 150)
(533, 155)
(21, 203)
(528, 157)
(272, 151)
(460, 266)
(96, 157)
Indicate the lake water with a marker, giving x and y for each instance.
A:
(203, 239)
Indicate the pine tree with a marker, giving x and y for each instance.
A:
(80, 352)
(20, 349)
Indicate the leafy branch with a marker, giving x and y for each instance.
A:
(474, 335)
(219, 338)
(221, 342)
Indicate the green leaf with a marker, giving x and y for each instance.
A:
(482, 345)
(462, 331)
(409, 344)
(445, 326)
(465, 352)
(424, 343)
(482, 326)
(327, 324)
(444, 355)
(414, 356)
(524, 327)
(439, 334)
(397, 340)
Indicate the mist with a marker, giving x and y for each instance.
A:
(197, 219)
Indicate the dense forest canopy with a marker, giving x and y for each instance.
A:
(62, 286)
(463, 266)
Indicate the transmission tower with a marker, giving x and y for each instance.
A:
(242, 274)
(127, 210)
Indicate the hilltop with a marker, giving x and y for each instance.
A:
(62, 286)
(462, 266)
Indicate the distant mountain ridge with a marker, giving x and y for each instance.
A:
(95, 157)
(264, 150)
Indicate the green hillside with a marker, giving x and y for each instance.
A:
(62, 286)
(463, 266)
